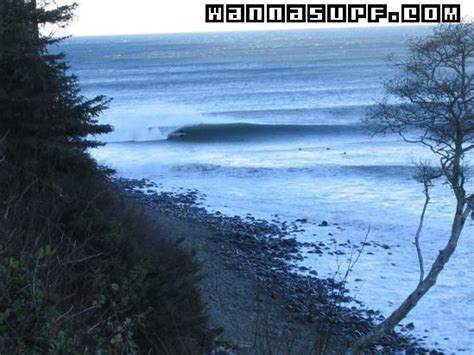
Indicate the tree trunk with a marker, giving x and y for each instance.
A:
(33, 23)
(423, 287)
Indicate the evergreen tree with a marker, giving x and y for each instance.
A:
(74, 278)
(45, 123)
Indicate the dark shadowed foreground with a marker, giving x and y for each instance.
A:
(71, 281)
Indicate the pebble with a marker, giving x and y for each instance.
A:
(265, 250)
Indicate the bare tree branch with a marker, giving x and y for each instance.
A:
(431, 104)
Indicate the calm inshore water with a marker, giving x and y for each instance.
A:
(270, 123)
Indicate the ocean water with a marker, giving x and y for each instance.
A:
(269, 123)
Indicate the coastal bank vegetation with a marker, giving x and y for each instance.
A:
(73, 277)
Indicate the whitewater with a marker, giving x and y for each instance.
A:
(270, 123)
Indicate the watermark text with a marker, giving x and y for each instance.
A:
(334, 13)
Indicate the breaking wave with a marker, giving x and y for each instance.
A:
(232, 132)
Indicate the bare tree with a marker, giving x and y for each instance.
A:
(431, 103)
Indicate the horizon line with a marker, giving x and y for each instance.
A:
(349, 27)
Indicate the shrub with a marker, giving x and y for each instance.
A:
(73, 278)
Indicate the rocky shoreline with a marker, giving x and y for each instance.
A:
(266, 251)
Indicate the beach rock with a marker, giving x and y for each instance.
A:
(302, 220)
(265, 251)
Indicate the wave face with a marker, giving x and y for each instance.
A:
(239, 132)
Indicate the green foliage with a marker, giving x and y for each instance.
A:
(25, 303)
(73, 275)
(42, 112)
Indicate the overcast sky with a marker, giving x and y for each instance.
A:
(105, 17)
